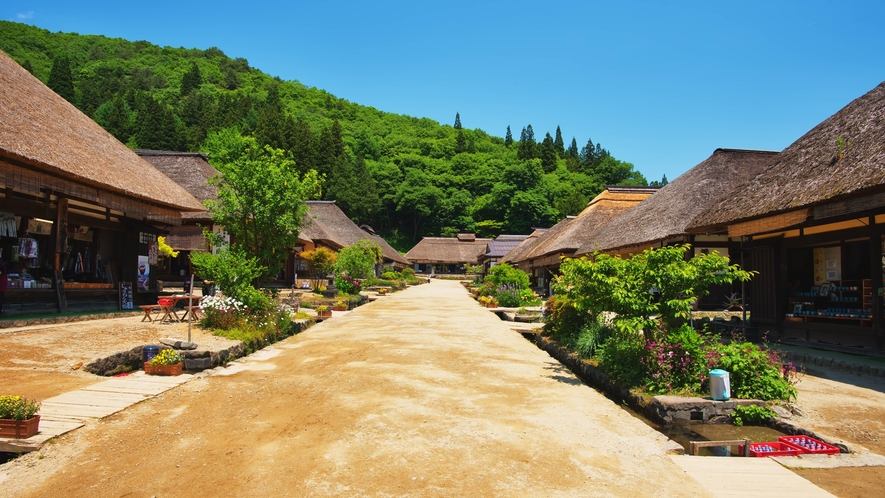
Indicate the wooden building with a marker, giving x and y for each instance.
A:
(498, 248)
(563, 240)
(447, 254)
(79, 212)
(326, 225)
(812, 224)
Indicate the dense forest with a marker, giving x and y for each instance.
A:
(405, 176)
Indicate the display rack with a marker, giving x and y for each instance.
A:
(845, 300)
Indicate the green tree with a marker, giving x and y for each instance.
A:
(60, 79)
(191, 80)
(359, 260)
(527, 144)
(260, 202)
(508, 138)
(548, 154)
(457, 121)
(320, 262)
(652, 291)
(558, 143)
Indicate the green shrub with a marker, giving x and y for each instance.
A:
(751, 415)
(408, 272)
(564, 322)
(389, 275)
(590, 337)
(621, 357)
(754, 373)
(677, 363)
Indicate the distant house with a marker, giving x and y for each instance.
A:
(516, 256)
(812, 223)
(326, 225)
(498, 248)
(566, 237)
(192, 171)
(79, 210)
(447, 254)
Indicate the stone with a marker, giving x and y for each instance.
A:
(197, 364)
(781, 411)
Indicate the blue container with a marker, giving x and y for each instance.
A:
(149, 352)
(720, 385)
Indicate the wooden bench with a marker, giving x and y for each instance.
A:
(148, 309)
(194, 311)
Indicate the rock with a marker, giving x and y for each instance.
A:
(781, 411)
(177, 344)
(197, 364)
(76, 366)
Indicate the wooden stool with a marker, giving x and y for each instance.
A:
(148, 309)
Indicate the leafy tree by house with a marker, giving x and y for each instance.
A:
(320, 262)
(358, 260)
(260, 202)
(60, 79)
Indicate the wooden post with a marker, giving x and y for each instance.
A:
(61, 247)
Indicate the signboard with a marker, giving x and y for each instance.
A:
(125, 295)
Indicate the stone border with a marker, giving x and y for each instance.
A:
(194, 360)
(11, 322)
(656, 408)
(819, 361)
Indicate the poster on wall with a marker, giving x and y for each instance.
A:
(144, 273)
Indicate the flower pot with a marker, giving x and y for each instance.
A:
(162, 369)
(339, 308)
(19, 428)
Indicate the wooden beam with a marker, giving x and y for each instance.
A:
(768, 224)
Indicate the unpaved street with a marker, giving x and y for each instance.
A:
(422, 393)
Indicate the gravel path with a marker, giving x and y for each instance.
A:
(422, 393)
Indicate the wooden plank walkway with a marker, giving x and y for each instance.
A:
(69, 411)
(746, 477)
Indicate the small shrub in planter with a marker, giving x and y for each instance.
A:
(166, 357)
(18, 417)
(323, 310)
(340, 306)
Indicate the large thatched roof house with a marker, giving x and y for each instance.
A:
(813, 221)
(564, 238)
(326, 225)
(447, 254)
(73, 190)
(516, 256)
(662, 218)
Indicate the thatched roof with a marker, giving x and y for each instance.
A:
(566, 237)
(325, 222)
(524, 247)
(191, 170)
(448, 250)
(44, 133)
(668, 212)
(809, 172)
(502, 245)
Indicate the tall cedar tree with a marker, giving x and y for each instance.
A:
(117, 122)
(508, 138)
(60, 79)
(302, 150)
(460, 142)
(560, 145)
(548, 154)
(527, 144)
(328, 149)
(156, 127)
(457, 121)
(191, 80)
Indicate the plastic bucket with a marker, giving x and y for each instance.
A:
(149, 352)
(720, 385)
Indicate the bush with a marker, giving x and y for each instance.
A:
(347, 285)
(754, 373)
(408, 272)
(18, 408)
(223, 313)
(676, 363)
(564, 322)
(389, 275)
(590, 337)
(358, 260)
(505, 275)
(751, 415)
(621, 357)
(167, 357)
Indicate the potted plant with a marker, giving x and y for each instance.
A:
(18, 417)
(323, 311)
(340, 306)
(167, 362)
(383, 290)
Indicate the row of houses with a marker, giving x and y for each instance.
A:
(81, 214)
(809, 219)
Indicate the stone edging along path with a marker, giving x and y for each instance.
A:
(658, 409)
(194, 360)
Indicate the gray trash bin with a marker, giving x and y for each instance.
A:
(720, 385)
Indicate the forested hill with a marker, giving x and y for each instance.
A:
(405, 176)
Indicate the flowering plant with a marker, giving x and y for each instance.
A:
(18, 408)
(166, 357)
(321, 308)
(221, 312)
(347, 284)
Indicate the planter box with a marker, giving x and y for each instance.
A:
(324, 314)
(19, 428)
(339, 308)
(162, 369)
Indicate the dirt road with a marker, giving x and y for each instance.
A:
(422, 393)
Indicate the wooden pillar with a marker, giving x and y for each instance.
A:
(876, 232)
(61, 247)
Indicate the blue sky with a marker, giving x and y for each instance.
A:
(661, 84)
